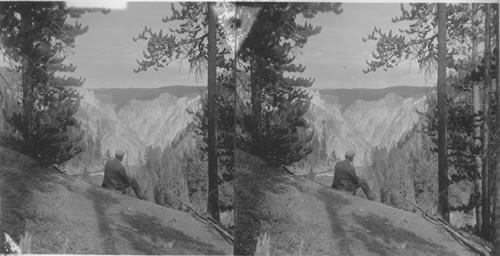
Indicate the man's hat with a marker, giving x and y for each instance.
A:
(350, 153)
(119, 153)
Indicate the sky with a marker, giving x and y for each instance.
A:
(337, 56)
(106, 55)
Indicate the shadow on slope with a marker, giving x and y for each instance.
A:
(68, 215)
(363, 232)
(300, 215)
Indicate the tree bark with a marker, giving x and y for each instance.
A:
(477, 122)
(256, 104)
(486, 162)
(213, 187)
(27, 83)
(443, 207)
(496, 217)
(494, 175)
(236, 212)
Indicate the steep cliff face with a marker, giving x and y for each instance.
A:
(145, 119)
(383, 122)
(135, 126)
(100, 122)
(157, 122)
(331, 126)
(363, 125)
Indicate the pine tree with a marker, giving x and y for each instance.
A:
(285, 135)
(333, 155)
(269, 50)
(97, 150)
(225, 127)
(196, 176)
(419, 42)
(213, 186)
(477, 116)
(443, 207)
(192, 41)
(486, 126)
(323, 154)
(108, 155)
(34, 37)
(140, 160)
(496, 186)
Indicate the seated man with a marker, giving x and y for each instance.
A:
(345, 177)
(115, 176)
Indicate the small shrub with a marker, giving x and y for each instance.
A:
(65, 246)
(25, 243)
(263, 247)
(227, 219)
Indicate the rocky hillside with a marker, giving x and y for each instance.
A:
(101, 123)
(363, 125)
(382, 123)
(132, 119)
(135, 126)
(129, 119)
(146, 120)
(157, 122)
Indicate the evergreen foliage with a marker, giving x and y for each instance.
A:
(404, 173)
(167, 180)
(275, 127)
(35, 38)
(225, 128)
(285, 135)
(272, 42)
(419, 43)
(190, 42)
(170, 177)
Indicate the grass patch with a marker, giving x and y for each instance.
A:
(263, 208)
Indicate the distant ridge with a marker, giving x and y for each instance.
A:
(120, 96)
(346, 97)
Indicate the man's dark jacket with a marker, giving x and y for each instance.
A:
(115, 175)
(345, 177)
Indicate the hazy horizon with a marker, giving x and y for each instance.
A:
(340, 88)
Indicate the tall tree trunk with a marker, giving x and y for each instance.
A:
(494, 174)
(213, 187)
(487, 88)
(477, 122)
(27, 83)
(236, 212)
(256, 104)
(496, 215)
(443, 207)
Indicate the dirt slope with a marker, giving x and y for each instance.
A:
(294, 210)
(65, 214)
